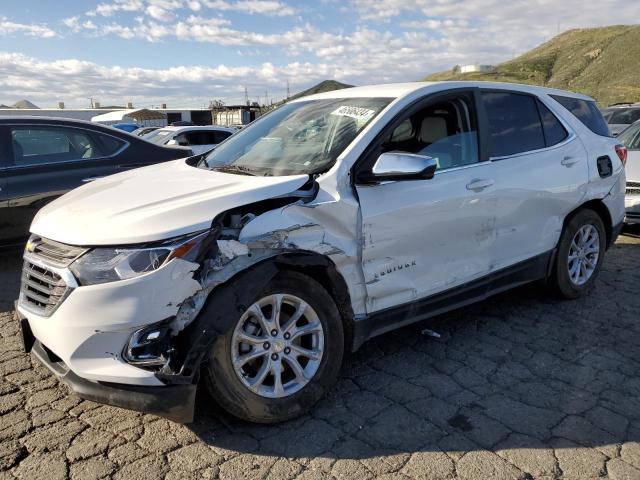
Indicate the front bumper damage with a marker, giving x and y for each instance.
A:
(85, 341)
(174, 402)
(168, 391)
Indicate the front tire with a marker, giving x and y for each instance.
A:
(281, 355)
(580, 254)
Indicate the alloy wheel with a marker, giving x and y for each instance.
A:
(583, 254)
(277, 345)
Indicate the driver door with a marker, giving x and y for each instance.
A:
(422, 237)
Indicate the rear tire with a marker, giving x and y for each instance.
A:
(580, 254)
(251, 390)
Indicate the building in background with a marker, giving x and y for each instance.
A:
(141, 116)
(474, 68)
(196, 116)
(234, 115)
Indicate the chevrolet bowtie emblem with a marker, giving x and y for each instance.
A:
(30, 247)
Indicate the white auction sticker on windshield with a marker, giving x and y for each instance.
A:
(359, 113)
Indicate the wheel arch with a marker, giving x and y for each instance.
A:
(322, 269)
(599, 207)
(226, 300)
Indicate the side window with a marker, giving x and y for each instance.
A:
(554, 132)
(37, 145)
(514, 123)
(201, 137)
(587, 112)
(220, 136)
(110, 145)
(445, 131)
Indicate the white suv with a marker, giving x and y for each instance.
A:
(335, 218)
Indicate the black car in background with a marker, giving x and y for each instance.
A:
(42, 158)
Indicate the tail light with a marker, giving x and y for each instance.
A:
(621, 150)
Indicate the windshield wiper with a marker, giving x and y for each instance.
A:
(237, 169)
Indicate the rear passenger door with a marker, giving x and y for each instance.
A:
(46, 161)
(541, 174)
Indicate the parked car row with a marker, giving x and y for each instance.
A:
(200, 139)
(333, 219)
(620, 117)
(42, 158)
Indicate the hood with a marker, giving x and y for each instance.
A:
(152, 203)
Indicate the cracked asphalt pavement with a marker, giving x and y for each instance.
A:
(520, 386)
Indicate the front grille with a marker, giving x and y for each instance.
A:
(43, 287)
(54, 253)
(633, 188)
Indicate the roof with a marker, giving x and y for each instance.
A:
(68, 122)
(198, 127)
(396, 90)
(137, 114)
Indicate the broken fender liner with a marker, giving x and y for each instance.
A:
(174, 402)
(226, 303)
(221, 310)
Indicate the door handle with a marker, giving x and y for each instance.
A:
(479, 184)
(569, 161)
(90, 179)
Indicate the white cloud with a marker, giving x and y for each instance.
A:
(164, 10)
(392, 40)
(263, 7)
(72, 80)
(108, 9)
(8, 27)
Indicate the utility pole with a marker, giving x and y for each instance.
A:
(288, 90)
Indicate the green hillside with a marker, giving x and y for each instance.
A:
(601, 62)
(324, 86)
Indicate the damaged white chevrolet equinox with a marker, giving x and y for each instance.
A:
(334, 218)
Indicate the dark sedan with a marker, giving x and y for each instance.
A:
(43, 158)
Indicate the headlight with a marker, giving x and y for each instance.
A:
(102, 265)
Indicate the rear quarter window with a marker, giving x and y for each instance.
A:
(587, 112)
(110, 145)
(554, 132)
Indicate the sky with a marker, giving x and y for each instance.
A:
(186, 53)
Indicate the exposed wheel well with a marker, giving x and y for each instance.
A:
(601, 209)
(323, 270)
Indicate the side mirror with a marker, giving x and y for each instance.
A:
(403, 166)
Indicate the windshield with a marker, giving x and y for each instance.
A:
(630, 138)
(624, 116)
(297, 138)
(158, 136)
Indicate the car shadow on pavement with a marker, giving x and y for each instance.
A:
(521, 374)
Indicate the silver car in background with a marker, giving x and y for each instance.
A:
(620, 117)
(200, 139)
(630, 138)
